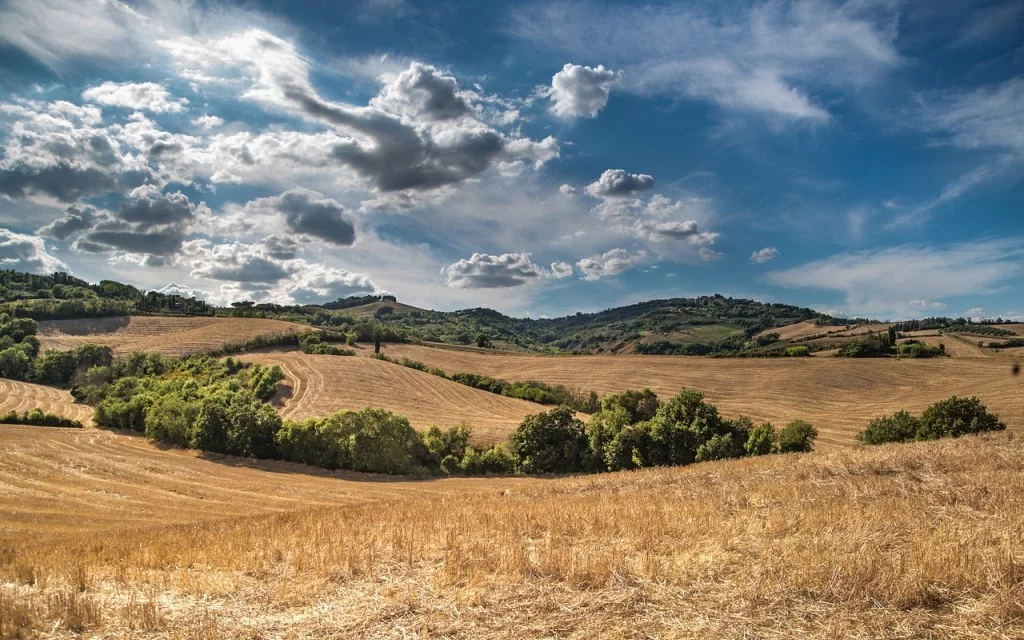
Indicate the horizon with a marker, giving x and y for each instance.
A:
(862, 159)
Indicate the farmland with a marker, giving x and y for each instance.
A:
(24, 396)
(317, 386)
(106, 535)
(168, 335)
(838, 395)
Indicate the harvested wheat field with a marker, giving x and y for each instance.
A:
(169, 335)
(319, 385)
(61, 481)
(900, 541)
(25, 396)
(838, 395)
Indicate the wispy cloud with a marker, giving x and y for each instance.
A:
(893, 281)
(767, 58)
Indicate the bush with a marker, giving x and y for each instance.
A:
(170, 420)
(955, 417)
(761, 440)
(799, 351)
(899, 427)
(918, 349)
(552, 442)
(496, 460)
(639, 406)
(796, 437)
(36, 417)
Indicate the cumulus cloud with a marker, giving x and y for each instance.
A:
(609, 263)
(579, 91)
(485, 271)
(234, 261)
(317, 283)
(655, 231)
(185, 291)
(310, 213)
(885, 281)
(208, 122)
(764, 255)
(76, 219)
(27, 253)
(426, 145)
(567, 190)
(139, 96)
(153, 226)
(616, 183)
(61, 150)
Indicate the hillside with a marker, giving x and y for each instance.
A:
(838, 395)
(25, 396)
(317, 386)
(909, 541)
(167, 335)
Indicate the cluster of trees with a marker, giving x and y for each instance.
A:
(315, 342)
(20, 357)
(635, 429)
(950, 418)
(531, 390)
(918, 349)
(38, 418)
(60, 295)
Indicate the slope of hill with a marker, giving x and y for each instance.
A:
(168, 335)
(319, 385)
(838, 395)
(909, 541)
(25, 396)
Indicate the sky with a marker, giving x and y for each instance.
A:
(863, 158)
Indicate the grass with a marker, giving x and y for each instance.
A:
(897, 541)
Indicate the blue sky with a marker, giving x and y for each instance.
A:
(862, 158)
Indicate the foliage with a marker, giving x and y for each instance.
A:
(918, 349)
(36, 417)
(638, 405)
(314, 343)
(799, 351)
(551, 442)
(899, 427)
(761, 440)
(950, 418)
(796, 437)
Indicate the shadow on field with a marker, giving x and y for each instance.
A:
(86, 326)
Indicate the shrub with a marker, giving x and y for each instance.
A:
(170, 420)
(681, 426)
(918, 349)
(631, 448)
(899, 427)
(797, 436)
(955, 417)
(37, 418)
(441, 445)
(761, 440)
(720, 447)
(799, 351)
(639, 406)
(551, 442)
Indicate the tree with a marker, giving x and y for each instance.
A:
(484, 341)
(955, 417)
(796, 437)
(551, 442)
(761, 440)
(899, 427)
(639, 406)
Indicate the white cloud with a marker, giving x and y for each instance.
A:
(580, 91)
(208, 122)
(609, 263)
(617, 183)
(27, 253)
(771, 59)
(764, 255)
(567, 190)
(883, 281)
(709, 255)
(140, 96)
(485, 271)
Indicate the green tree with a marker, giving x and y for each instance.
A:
(955, 417)
(797, 436)
(899, 427)
(761, 440)
(551, 442)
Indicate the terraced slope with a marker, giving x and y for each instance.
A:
(838, 395)
(24, 396)
(171, 336)
(321, 385)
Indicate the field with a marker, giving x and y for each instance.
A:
(838, 395)
(24, 396)
(901, 541)
(318, 385)
(171, 336)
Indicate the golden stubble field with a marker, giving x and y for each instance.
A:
(319, 385)
(170, 336)
(25, 396)
(900, 541)
(838, 395)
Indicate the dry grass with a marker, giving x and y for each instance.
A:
(838, 395)
(24, 396)
(318, 385)
(171, 336)
(902, 541)
(64, 481)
